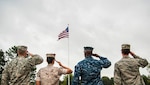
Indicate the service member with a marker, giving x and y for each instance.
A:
(126, 70)
(17, 71)
(50, 74)
(87, 71)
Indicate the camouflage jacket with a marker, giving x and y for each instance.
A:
(126, 71)
(17, 71)
(50, 75)
(87, 71)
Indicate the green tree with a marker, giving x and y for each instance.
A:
(112, 80)
(2, 63)
(65, 80)
(107, 81)
(11, 53)
(146, 80)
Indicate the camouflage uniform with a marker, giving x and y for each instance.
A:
(126, 71)
(17, 71)
(88, 71)
(50, 75)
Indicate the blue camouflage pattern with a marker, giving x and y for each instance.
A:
(88, 71)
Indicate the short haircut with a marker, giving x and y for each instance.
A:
(50, 59)
(125, 51)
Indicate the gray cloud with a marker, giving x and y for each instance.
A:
(105, 25)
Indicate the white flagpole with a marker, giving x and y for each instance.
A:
(68, 55)
(68, 49)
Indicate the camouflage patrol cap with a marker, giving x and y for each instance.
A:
(125, 46)
(88, 48)
(22, 48)
(50, 55)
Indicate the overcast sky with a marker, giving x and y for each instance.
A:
(102, 24)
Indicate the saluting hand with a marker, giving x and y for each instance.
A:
(96, 55)
(30, 54)
(132, 53)
(58, 63)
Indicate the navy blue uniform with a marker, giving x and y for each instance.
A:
(87, 71)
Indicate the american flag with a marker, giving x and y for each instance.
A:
(64, 34)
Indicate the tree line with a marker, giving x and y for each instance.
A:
(11, 53)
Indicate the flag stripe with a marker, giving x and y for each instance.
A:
(64, 34)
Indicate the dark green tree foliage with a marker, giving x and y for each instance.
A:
(65, 80)
(146, 80)
(11, 53)
(2, 63)
(107, 81)
(112, 80)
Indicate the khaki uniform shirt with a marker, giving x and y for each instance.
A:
(17, 71)
(127, 71)
(50, 75)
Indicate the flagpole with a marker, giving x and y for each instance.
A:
(65, 34)
(68, 56)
